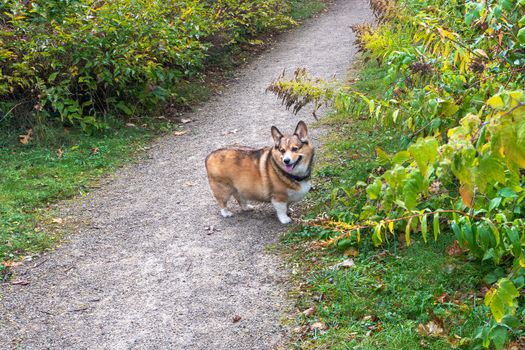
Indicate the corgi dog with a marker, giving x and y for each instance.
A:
(279, 174)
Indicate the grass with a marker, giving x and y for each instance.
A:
(394, 297)
(36, 175)
(302, 9)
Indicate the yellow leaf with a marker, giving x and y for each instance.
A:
(481, 53)
(391, 226)
(467, 195)
(496, 102)
(24, 139)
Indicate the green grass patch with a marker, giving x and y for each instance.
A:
(302, 9)
(395, 297)
(382, 300)
(36, 175)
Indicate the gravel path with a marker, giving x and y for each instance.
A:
(145, 273)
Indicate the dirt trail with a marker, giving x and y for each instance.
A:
(145, 273)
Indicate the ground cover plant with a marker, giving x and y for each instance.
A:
(453, 90)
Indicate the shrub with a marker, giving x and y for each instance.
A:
(455, 92)
(81, 60)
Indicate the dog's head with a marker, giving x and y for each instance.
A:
(293, 153)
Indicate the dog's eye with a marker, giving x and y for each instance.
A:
(282, 150)
(295, 149)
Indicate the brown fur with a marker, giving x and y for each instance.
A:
(260, 174)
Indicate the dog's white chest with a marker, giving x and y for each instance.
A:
(296, 196)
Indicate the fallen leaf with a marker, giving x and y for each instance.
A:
(60, 153)
(57, 220)
(309, 312)
(442, 298)
(454, 249)
(300, 329)
(180, 133)
(185, 121)
(189, 183)
(372, 318)
(8, 263)
(211, 229)
(20, 282)
(130, 125)
(430, 329)
(347, 263)
(24, 139)
(318, 326)
(234, 131)
(351, 252)
(236, 318)
(94, 150)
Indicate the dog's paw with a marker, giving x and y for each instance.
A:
(226, 213)
(248, 207)
(285, 219)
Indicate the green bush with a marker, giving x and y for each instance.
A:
(80, 60)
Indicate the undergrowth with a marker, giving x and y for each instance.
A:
(424, 296)
(453, 92)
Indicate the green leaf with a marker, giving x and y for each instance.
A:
(495, 231)
(457, 232)
(485, 236)
(382, 156)
(424, 227)
(401, 157)
(507, 192)
(501, 299)
(511, 321)
(470, 237)
(494, 203)
(521, 36)
(124, 108)
(410, 193)
(374, 189)
(514, 238)
(52, 77)
(435, 223)
(376, 236)
(489, 171)
(506, 4)
(407, 232)
(424, 151)
(499, 337)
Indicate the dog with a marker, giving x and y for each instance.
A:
(279, 174)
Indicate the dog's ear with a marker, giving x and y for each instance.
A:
(301, 131)
(276, 135)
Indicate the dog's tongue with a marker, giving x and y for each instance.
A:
(289, 167)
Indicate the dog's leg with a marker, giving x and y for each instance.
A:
(222, 193)
(281, 208)
(226, 213)
(242, 202)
